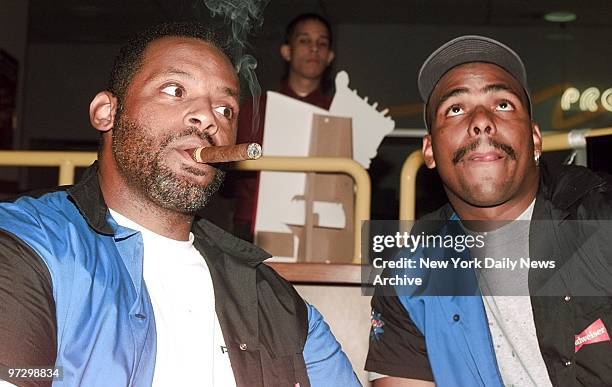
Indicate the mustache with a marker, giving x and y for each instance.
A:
(461, 152)
(189, 131)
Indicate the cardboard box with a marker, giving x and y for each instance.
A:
(330, 137)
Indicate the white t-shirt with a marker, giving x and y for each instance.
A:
(510, 317)
(190, 346)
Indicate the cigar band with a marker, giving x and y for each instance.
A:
(197, 155)
(254, 151)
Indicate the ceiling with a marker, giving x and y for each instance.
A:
(112, 21)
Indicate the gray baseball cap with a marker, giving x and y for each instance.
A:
(467, 49)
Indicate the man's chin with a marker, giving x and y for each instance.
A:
(205, 171)
(185, 197)
(313, 72)
(486, 198)
(485, 192)
(184, 191)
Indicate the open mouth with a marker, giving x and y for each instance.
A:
(187, 156)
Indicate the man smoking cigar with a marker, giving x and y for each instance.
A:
(114, 283)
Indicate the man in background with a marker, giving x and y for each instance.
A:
(307, 52)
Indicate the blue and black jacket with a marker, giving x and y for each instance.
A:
(72, 295)
(446, 338)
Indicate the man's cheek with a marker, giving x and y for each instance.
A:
(225, 136)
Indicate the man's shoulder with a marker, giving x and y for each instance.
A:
(268, 274)
(570, 186)
(44, 226)
(562, 175)
(35, 210)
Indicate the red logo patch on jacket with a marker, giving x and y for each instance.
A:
(594, 333)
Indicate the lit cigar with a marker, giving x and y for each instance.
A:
(226, 153)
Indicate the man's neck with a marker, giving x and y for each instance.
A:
(134, 205)
(302, 86)
(508, 211)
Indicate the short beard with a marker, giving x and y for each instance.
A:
(140, 159)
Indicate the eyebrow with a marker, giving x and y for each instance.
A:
(487, 89)
(500, 87)
(452, 93)
(322, 36)
(231, 92)
(174, 71)
(171, 71)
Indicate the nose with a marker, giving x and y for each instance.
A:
(481, 123)
(201, 116)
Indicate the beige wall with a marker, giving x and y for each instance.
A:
(348, 314)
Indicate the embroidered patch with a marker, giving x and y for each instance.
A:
(594, 333)
(377, 325)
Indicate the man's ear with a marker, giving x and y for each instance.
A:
(102, 110)
(330, 57)
(428, 156)
(537, 139)
(285, 51)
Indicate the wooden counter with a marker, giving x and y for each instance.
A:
(319, 273)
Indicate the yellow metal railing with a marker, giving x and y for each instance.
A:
(68, 161)
(573, 139)
(550, 143)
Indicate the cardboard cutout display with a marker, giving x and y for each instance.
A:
(309, 216)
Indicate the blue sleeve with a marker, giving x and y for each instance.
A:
(326, 364)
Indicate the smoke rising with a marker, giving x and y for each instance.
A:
(243, 17)
(246, 68)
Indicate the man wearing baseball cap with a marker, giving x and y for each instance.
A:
(554, 328)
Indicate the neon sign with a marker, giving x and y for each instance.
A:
(587, 100)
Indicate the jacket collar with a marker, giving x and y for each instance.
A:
(566, 184)
(228, 243)
(88, 198)
(560, 188)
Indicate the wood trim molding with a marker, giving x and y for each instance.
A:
(319, 273)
